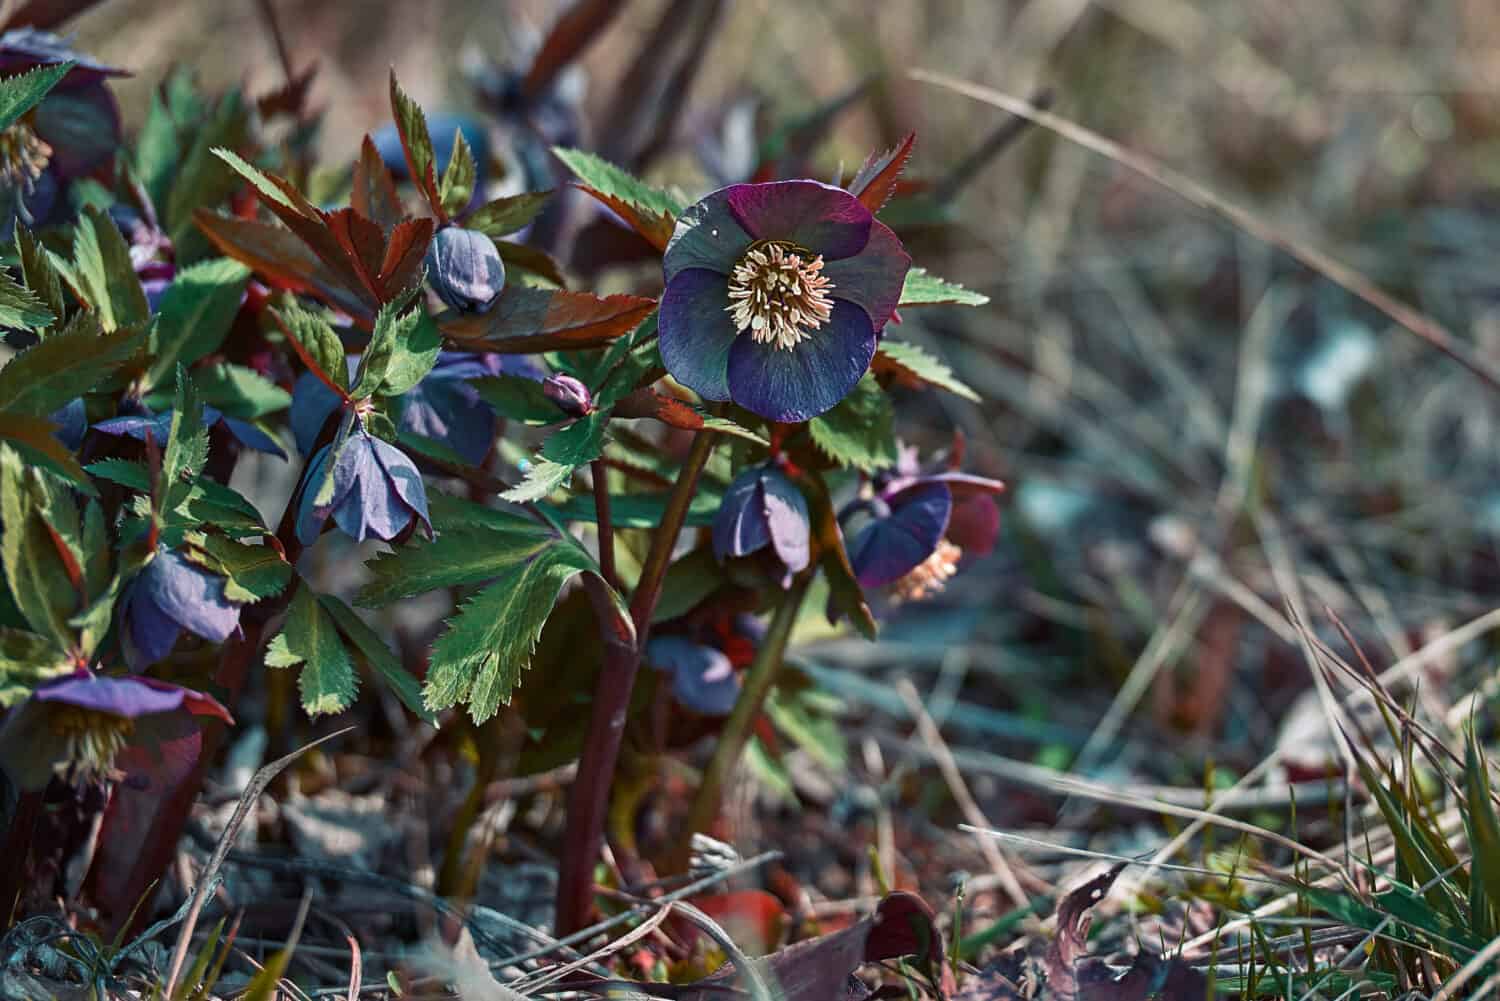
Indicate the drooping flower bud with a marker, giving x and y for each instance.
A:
(465, 269)
(376, 492)
(571, 396)
(763, 509)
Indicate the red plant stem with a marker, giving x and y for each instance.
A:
(747, 709)
(606, 525)
(588, 796)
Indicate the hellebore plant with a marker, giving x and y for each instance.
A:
(500, 441)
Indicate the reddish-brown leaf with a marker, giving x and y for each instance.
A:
(669, 410)
(875, 182)
(527, 320)
(374, 193)
(290, 98)
(279, 258)
(527, 258)
(403, 255)
(572, 33)
(33, 438)
(363, 244)
(655, 228)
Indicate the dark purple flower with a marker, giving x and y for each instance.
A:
(376, 491)
(703, 679)
(77, 725)
(443, 406)
(906, 536)
(571, 396)
(776, 294)
(160, 426)
(172, 594)
(763, 508)
(465, 269)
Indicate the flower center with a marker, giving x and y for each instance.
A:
(929, 576)
(90, 740)
(23, 156)
(779, 293)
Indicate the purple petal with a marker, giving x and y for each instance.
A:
(404, 479)
(872, 279)
(312, 402)
(974, 525)
(310, 516)
(889, 548)
(961, 484)
(136, 426)
(149, 632)
(703, 679)
(377, 490)
(82, 126)
(740, 526)
(799, 383)
(252, 437)
(127, 697)
(707, 236)
(695, 332)
(189, 595)
(788, 520)
(449, 410)
(819, 217)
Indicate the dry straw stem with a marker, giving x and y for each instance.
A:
(1197, 194)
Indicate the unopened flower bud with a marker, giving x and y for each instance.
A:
(465, 269)
(571, 396)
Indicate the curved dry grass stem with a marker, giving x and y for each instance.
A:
(1356, 284)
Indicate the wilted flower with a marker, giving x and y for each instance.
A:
(571, 396)
(776, 294)
(917, 527)
(76, 725)
(172, 594)
(443, 406)
(160, 427)
(465, 269)
(703, 678)
(74, 129)
(763, 508)
(376, 491)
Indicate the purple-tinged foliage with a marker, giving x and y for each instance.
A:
(160, 427)
(763, 509)
(776, 295)
(128, 696)
(72, 422)
(170, 595)
(377, 492)
(703, 678)
(571, 396)
(465, 270)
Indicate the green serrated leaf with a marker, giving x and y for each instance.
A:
(186, 447)
(129, 474)
(235, 390)
(542, 477)
(517, 398)
(478, 660)
(34, 439)
(411, 123)
(914, 361)
(258, 180)
(34, 563)
(62, 367)
(318, 340)
(157, 150)
(26, 661)
(19, 94)
(578, 444)
(195, 315)
(107, 280)
(252, 573)
(38, 273)
(457, 185)
(403, 349)
(644, 510)
(201, 178)
(860, 431)
(923, 289)
(384, 663)
(458, 557)
(21, 307)
(608, 179)
(310, 638)
(507, 215)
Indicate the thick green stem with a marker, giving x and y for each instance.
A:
(588, 797)
(747, 709)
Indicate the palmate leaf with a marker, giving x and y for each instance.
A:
(489, 641)
(531, 320)
(913, 364)
(63, 367)
(19, 94)
(311, 638)
(460, 556)
(578, 444)
(20, 307)
(378, 656)
(252, 573)
(859, 432)
(403, 349)
(195, 315)
(650, 211)
(281, 257)
(923, 289)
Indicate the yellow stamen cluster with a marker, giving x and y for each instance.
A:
(90, 740)
(23, 156)
(929, 576)
(779, 293)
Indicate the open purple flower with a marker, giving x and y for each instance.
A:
(776, 294)
(703, 678)
(77, 724)
(160, 426)
(377, 492)
(172, 594)
(74, 130)
(906, 536)
(763, 509)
